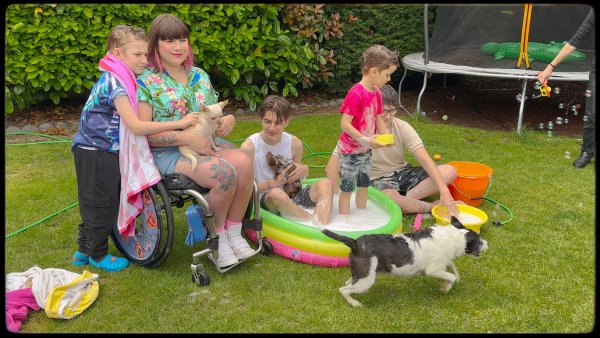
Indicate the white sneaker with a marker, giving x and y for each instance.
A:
(226, 255)
(240, 247)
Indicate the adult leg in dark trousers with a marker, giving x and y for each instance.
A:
(588, 147)
(98, 185)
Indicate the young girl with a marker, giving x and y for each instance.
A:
(361, 120)
(96, 144)
(170, 88)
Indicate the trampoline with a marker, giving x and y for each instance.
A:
(460, 31)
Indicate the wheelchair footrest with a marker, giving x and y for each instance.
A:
(212, 243)
(253, 224)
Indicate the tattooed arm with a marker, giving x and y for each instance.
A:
(172, 138)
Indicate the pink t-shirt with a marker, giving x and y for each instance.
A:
(364, 106)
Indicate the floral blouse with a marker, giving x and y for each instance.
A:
(172, 100)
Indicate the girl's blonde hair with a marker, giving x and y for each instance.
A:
(121, 34)
(377, 56)
(168, 27)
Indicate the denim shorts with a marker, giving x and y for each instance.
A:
(355, 168)
(402, 180)
(166, 158)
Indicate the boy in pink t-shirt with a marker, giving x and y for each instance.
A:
(361, 120)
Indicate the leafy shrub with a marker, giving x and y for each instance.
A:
(52, 50)
(398, 27)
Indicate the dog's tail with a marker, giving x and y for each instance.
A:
(350, 242)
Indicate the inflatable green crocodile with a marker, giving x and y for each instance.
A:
(535, 51)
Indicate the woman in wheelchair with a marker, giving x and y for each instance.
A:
(169, 89)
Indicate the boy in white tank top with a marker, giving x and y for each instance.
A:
(274, 114)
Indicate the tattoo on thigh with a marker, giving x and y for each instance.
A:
(224, 173)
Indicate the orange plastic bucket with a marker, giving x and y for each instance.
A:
(471, 182)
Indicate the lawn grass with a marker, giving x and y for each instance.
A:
(537, 276)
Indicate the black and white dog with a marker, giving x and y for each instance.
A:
(428, 251)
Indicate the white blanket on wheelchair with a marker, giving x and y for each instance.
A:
(138, 171)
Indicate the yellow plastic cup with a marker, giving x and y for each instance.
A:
(385, 138)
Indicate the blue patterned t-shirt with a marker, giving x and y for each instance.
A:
(99, 121)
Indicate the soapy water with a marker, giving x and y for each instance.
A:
(465, 218)
(370, 218)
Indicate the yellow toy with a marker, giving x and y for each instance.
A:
(385, 138)
(545, 90)
(437, 157)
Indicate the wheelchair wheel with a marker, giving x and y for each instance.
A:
(200, 278)
(267, 248)
(154, 230)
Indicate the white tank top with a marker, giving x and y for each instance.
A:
(262, 171)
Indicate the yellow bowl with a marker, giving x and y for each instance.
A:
(385, 138)
(471, 217)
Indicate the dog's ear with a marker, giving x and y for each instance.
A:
(223, 103)
(457, 224)
(271, 160)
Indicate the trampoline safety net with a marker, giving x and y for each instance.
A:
(461, 30)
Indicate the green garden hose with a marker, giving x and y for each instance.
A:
(59, 140)
(40, 221)
(507, 209)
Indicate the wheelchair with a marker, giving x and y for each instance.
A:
(155, 228)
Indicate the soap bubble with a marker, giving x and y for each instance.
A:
(588, 93)
(556, 90)
(550, 125)
(423, 113)
(550, 133)
(567, 154)
(520, 97)
(573, 108)
(559, 120)
(578, 105)
(541, 126)
(585, 118)
(445, 117)
(566, 121)
(575, 113)
(561, 106)
(537, 85)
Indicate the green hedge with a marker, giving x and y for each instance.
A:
(398, 27)
(52, 51)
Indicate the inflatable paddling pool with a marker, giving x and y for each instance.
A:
(306, 244)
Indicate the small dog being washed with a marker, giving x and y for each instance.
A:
(428, 251)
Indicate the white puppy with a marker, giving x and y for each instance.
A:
(207, 124)
(429, 251)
